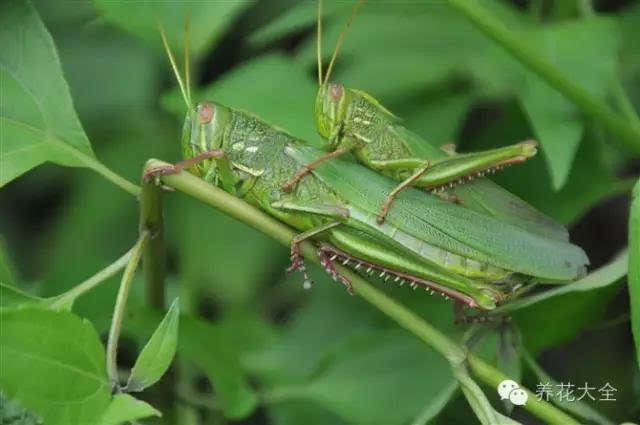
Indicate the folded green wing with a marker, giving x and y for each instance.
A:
(449, 226)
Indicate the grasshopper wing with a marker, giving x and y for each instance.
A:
(486, 197)
(446, 225)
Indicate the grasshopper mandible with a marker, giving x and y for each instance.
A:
(352, 120)
(425, 241)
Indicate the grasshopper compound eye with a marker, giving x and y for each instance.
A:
(336, 91)
(206, 111)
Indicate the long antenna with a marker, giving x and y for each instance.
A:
(173, 64)
(319, 42)
(187, 59)
(341, 39)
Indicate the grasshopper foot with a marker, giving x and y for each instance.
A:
(297, 263)
(154, 174)
(326, 260)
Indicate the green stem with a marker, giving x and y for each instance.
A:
(627, 132)
(624, 103)
(107, 173)
(66, 299)
(154, 256)
(540, 408)
(255, 218)
(121, 303)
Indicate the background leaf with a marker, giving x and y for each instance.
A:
(53, 362)
(124, 409)
(156, 356)
(556, 121)
(208, 20)
(37, 119)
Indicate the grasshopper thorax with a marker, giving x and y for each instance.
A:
(331, 103)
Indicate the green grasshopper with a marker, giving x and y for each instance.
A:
(352, 120)
(425, 241)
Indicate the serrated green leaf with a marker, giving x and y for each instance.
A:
(557, 122)
(53, 362)
(124, 409)
(157, 355)
(37, 119)
(634, 267)
(208, 20)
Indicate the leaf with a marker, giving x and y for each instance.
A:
(557, 122)
(208, 20)
(603, 277)
(634, 267)
(402, 373)
(478, 401)
(574, 306)
(10, 296)
(125, 408)
(157, 355)
(436, 404)
(592, 176)
(37, 119)
(208, 347)
(53, 362)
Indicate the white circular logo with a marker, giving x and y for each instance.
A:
(505, 387)
(518, 397)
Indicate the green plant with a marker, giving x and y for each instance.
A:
(338, 360)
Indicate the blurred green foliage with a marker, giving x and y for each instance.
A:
(261, 345)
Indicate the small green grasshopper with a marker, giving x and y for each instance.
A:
(425, 241)
(355, 121)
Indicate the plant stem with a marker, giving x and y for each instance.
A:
(624, 103)
(116, 179)
(121, 303)
(154, 257)
(255, 218)
(627, 132)
(66, 299)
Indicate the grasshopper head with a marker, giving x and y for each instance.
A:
(203, 131)
(331, 106)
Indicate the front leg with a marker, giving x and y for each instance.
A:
(307, 168)
(156, 172)
(398, 164)
(341, 148)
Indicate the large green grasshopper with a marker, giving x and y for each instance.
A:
(425, 241)
(352, 120)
